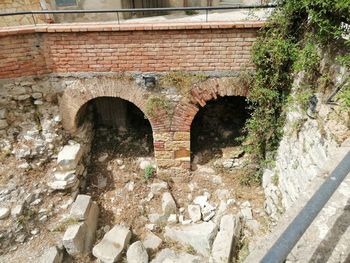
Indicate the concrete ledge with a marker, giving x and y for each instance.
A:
(108, 27)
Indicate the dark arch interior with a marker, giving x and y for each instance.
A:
(217, 126)
(120, 127)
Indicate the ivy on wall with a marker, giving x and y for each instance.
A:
(289, 43)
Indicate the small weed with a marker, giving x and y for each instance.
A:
(182, 81)
(344, 97)
(155, 104)
(62, 226)
(275, 179)
(296, 126)
(190, 250)
(149, 172)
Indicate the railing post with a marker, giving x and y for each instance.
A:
(33, 19)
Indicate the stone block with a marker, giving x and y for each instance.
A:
(199, 236)
(194, 211)
(224, 242)
(137, 253)
(168, 204)
(51, 255)
(69, 157)
(91, 223)
(183, 154)
(81, 206)
(182, 136)
(151, 241)
(74, 239)
(170, 256)
(64, 176)
(110, 248)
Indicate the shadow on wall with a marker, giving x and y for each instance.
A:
(340, 227)
(216, 126)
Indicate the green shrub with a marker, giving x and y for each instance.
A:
(287, 44)
(149, 172)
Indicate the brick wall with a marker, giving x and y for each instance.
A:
(157, 48)
(22, 55)
(147, 48)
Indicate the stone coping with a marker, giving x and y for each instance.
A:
(107, 27)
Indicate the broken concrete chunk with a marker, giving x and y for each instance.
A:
(64, 176)
(157, 218)
(91, 223)
(51, 255)
(63, 185)
(110, 248)
(152, 242)
(194, 212)
(80, 207)
(199, 236)
(137, 253)
(4, 212)
(247, 213)
(17, 210)
(74, 239)
(201, 200)
(69, 157)
(224, 242)
(156, 187)
(168, 204)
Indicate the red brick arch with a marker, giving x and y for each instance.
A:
(210, 89)
(82, 91)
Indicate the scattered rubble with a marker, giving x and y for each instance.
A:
(109, 249)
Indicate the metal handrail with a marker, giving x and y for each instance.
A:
(289, 238)
(133, 10)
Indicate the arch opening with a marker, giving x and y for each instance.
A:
(121, 147)
(216, 128)
(114, 121)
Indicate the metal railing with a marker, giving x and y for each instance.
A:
(207, 9)
(289, 238)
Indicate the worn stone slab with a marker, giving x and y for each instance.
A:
(168, 204)
(74, 239)
(91, 223)
(80, 207)
(225, 239)
(69, 157)
(51, 255)
(170, 256)
(137, 253)
(198, 236)
(110, 248)
(194, 211)
(151, 241)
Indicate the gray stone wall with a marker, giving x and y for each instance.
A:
(305, 147)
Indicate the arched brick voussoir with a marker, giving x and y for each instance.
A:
(81, 91)
(207, 90)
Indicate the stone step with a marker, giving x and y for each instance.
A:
(328, 237)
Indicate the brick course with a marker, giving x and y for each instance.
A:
(32, 51)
